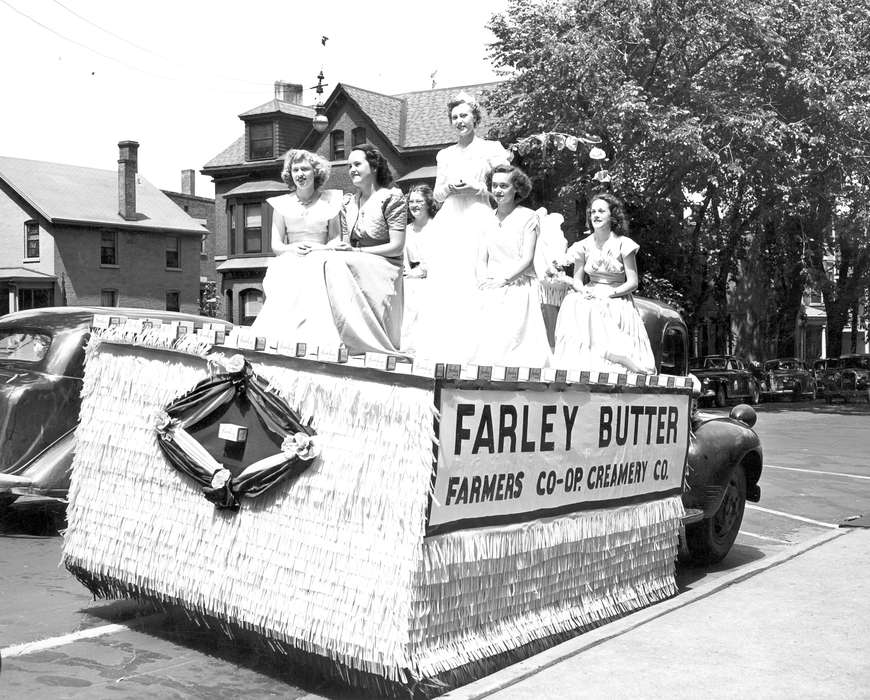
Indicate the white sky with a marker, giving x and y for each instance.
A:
(175, 75)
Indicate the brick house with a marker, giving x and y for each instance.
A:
(409, 129)
(78, 236)
(201, 209)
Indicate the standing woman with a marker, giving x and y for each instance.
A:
(511, 330)
(421, 210)
(460, 184)
(599, 327)
(366, 281)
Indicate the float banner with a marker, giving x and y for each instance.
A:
(513, 456)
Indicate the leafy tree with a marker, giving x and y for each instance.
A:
(734, 130)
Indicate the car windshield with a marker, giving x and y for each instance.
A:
(773, 365)
(715, 363)
(23, 346)
(856, 362)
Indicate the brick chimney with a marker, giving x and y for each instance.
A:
(188, 182)
(288, 92)
(128, 166)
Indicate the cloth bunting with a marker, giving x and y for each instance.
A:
(212, 395)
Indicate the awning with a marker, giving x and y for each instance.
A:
(258, 187)
(253, 263)
(23, 274)
(427, 172)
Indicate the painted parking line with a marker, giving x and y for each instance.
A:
(817, 471)
(64, 639)
(750, 506)
(765, 537)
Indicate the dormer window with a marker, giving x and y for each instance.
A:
(336, 145)
(261, 142)
(358, 136)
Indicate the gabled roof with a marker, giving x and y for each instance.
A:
(279, 107)
(410, 120)
(427, 122)
(73, 194)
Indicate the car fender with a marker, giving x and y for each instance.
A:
(47, 474)
(716, 446)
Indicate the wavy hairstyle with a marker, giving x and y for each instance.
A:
(377, 163)
(319, 166)
(464, 98)
(426, 192)
(618, 217)
(520, 181)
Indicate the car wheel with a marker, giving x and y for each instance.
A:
(721, 396)
(710, 540)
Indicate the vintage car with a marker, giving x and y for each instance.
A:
(847, 378)
(788, 376)
(42, 358)
(725, 377)
(725, 455)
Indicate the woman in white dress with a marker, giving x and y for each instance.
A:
(599, 327)
(421, 212)
(337, 277)
(447, 334)
(304, 221)
(511, 330)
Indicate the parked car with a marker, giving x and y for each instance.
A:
(848, 378)
(726, 377)
(725, 456)
(42, 359)
(788, 376)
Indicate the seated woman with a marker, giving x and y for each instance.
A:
(319, 289)
(510, 327)
(373, 222)
(421, 212)
(599, 327)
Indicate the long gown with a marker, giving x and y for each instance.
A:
(446, 332)
(327, 297)
(416, 288)
(601, 334)
(510, 329)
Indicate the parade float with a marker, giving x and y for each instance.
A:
(399, 525)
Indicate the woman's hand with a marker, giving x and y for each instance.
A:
(415, 272)
(493, 283)
(302, 248)
(462, 187)
(338, 244)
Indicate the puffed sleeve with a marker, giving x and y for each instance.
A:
(575, 252)
(396, 211)
(627, 246)
(497, 154)
(441, 176)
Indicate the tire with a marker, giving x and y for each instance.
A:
(721, 397)
(710, 540)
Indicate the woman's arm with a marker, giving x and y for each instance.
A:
(442, 189)
(396, 217)
(278, 228)
(630, 284)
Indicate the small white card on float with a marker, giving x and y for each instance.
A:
(101, 321)
(232, 432)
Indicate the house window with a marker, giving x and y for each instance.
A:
(173, 301)
(172, 260)
(109, 297)
(358, 136)
(251, 302)
(109, 248)
(261, 142)
(816, 298)
(31, 239)
(336, 145)
(35, 298)
(253, 228)
(231, 227)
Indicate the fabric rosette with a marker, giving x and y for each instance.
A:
(301, 445)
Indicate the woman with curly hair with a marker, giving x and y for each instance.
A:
(511, 329)
(599, 327)
(421, 213)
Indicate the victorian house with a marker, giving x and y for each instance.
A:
(409, 129)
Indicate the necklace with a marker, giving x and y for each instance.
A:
(307, 202)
